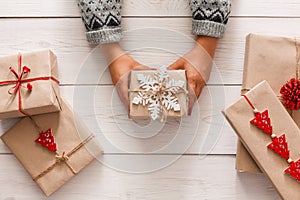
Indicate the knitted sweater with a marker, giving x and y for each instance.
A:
(102, 18)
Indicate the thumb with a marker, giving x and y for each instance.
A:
(141, 67)
(177, 65)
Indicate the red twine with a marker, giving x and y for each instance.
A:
(291, 94)
(16, 89)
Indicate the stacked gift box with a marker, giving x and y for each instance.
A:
(267, 116)
(51, 142)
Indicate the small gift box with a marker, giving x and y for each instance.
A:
(29, 84)
(52, 147)
(276, 60)
(271, 137)
(158, 94)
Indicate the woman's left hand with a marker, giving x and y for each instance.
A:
(197, 63)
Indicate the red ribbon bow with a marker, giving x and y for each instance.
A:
(19, 81)
(16, 89)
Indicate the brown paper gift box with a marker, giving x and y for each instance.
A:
(140, 111)
(255, 140)
(273, 59)
(69, 132)
(44, 97)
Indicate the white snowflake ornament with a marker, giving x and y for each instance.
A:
(159, 92)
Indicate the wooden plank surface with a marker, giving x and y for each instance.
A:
(213, 136)
(155, 31)
(133, 8)
(188, 178)
(66, 38)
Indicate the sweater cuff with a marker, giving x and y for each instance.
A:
(104, 35)
(208, 28)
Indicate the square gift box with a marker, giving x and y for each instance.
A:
(276, 60)
(52, 165)
(158, 94)
(29, 84)
(271, 137)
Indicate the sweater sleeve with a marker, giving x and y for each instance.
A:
(102, 20)
(210, 17)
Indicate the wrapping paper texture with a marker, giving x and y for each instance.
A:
(44, 97)
(255, 140)
(140, 111)
(68, 132)
(273, 59)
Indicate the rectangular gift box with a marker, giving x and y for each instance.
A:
(29, 84)
(139, 111)
(276, 60)
(255, 140)
(76, 147)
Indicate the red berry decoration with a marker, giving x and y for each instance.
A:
(263, 122)
(294, 169)
(280, 146)
(291, 94)
(29, 87)
(46, 139)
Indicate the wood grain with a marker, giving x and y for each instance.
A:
(189, 177)
(133, 8)
(156, 32)
(102, 111)
(148, 40)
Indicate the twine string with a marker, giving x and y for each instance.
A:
(63, 158)
(149, 94)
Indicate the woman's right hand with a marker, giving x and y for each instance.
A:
(120, 65)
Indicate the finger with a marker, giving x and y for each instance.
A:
(197, 90)
(142, 67)
(200, 86)
(192, 97)
(179, 64)
(122, 89)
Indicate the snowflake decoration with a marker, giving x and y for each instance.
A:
(158, 92)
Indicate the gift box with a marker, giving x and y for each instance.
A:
(158, 94)
(271, 137)
(29, 84)
(277, 60)
(52, 147)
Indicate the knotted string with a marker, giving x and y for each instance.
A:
(63, 158)
(16, 89)
(149, 94)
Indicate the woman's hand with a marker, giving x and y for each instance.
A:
(120, 65)
(198, 64)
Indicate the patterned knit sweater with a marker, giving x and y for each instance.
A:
(102, 18)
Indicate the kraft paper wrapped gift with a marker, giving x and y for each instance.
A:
(141, 85)
(276, 60)
(29, 84)
(76, 147)
(255, 140)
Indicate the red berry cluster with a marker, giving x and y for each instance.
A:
(291, 94)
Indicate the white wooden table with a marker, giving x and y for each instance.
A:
(38, 24)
